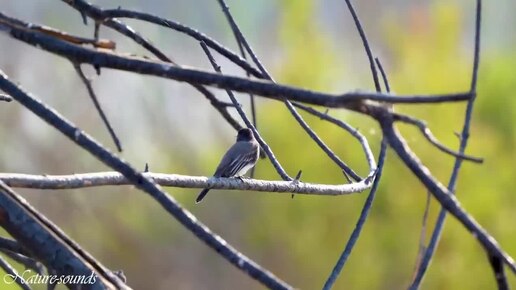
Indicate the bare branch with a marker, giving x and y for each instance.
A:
(84, 180)
(139, 180)
(258, 87)
(241, 39)
(248, 123)
(357, 135)
(360, 223)
(31, 229)
(431, 138)
(436, 234)
(13, 246)
(5, 98)
(26, 261)
(443, 195)
(366, 45)
(98, 43)
(92, 11)
(384, 75)
(95, 101)
(422, 236)
(11, 272)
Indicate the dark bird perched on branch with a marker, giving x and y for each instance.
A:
(241, 157)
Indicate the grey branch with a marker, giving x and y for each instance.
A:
(432, 139)
(5, 98)
(176, 180)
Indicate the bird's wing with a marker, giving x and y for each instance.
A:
(236, 158)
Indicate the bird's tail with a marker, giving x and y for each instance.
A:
(201, 195)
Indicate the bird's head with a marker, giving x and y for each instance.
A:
(245, 135)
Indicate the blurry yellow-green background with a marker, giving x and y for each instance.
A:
(425, 46)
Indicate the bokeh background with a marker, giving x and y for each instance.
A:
(425, 46)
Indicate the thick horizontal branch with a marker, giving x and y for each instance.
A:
(196, 76)
(176, 180)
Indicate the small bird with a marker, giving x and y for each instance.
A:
(239, 158)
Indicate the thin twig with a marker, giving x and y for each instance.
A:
(384, 75)
(5, 98)
(367, 48)
(102, 43)
(433, 140)
(284, 175)
(360, 223)
(422, 236)
(355, 133)
(26, 261)
(369, 201)
(97, 105)
(251, 96)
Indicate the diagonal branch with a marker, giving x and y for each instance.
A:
(96, 103)
(145, 184)
(365, 43)
(433, 140)
(443, 195)
(13, 246)
(439, 224)
(25, 261)
(360, 223)
(251, 96)
(231, 56)
(13, 275)
(248, 123)
(354, 132)
(31, 230)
